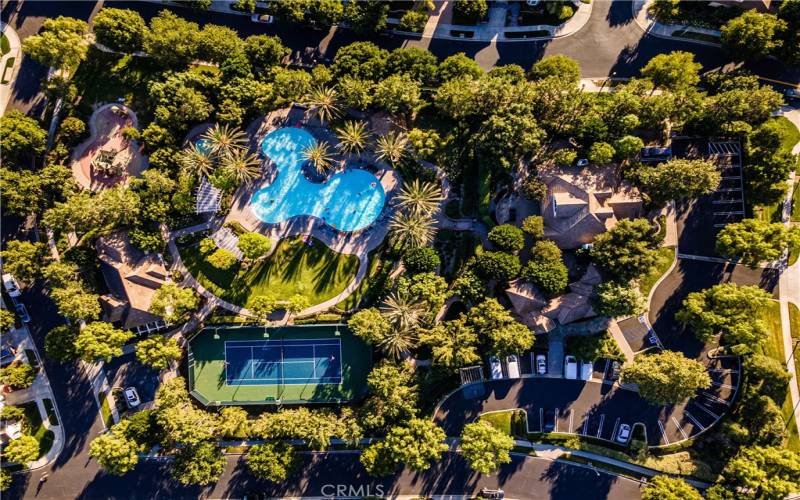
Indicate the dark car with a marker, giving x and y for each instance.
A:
(549, 422)
(489, 493)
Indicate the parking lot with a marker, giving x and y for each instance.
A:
(700, 220)
(125, 371)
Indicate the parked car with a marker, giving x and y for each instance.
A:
(11, 285)
(132, 397)
(262, 18)
(549, 421)
(495, 368)
(22, 312)
(624, 433)
(512, 365)
(570, 367)
(582, 162)
(541, 364)
(587, 246)
(615, 367)
(586, 370)
(489, 493)
(7, 355)
(792, 93)
(656, 152)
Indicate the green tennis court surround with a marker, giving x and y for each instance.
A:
(236, 365)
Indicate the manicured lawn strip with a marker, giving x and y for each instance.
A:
(36, 428)
(773, 347)
(796, 203)
(500, 420)
(5, 45)
(105, 410)
(693, 35)
(666, 255)
(315, 272)
(790, 135)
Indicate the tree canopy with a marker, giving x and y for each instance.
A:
(485, 447)
(627, 251)
(755, 240)
(666, 378)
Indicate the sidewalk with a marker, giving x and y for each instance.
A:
(789, 291)
(651, 26)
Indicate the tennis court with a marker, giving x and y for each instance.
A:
(269, 362)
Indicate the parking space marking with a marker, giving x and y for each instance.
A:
(679, 427)
(541, 419)
(715, 398)
(555, 420)
(703, 407)
(720, 384)
(733, 212)
(600, 427)
(586, 424)
(723, 370)
(663, 433)
(614, 430)
(571, 415)
(694, 420)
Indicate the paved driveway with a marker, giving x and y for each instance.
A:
(126, 371)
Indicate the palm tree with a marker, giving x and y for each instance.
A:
(412, 230)
(194, 159)
(391, 147)
(401, 313)
(423, 198)
(323, 102)
(397, 342)
(353, 137)
(245, 165)
(223, 139)
(319, 155)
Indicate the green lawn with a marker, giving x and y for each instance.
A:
(105, 410)
(666, 255)
(796, 203)
(376, 264)
(773, 347)
(789, 133)
(500, 420)
(316, 272)
(5, 45)
(36, 428)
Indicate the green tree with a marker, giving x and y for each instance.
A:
(173, 302)
(18, 375)
(751, 36)
(422, 260)
(508, 135)
(297, 303)
(119, 29)
(501, 266)
(727, 309)
(674, 71)
(416, 444)
(562, 67)
(218, 43)
(616, 300)
(361, 60)
(601, 153)
(485, 447)
(767, 375)
(317, 428)
(507, 237)
(171, 40)
(59, 344)
(420, 197)
(754, 240)
(265, 51)
(419, 64)
(7, 320)
(628, 250)
(22, 192)
(789, 12)
(272, 461)
(24, 260)
(534, 226)
(546, 269)
(393, 396)
(666, 378)
(319, 155)
(60, 44)
(12, 413)
(398, 94)
(678, 179)
(669, 488)
(22, 450)
(158, 351)
(234, 422)
(222, 259)
(71, 129)
(75, 302)
(590, 348)
(413, 21)
(366, 16)
(762, 472)
(459, 66)
(262, 306)
(325, 12)
(5, 479)
(353, 136)
(412, 230)
(627, 147)
(100, 340)
(116, 454)
(254, 245)
(355, 93)
(453, 343)
(369, 325)
(506, 335)
(471, 11)
(201, 464)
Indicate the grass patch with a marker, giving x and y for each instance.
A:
(500, 420)
(790, 135)
(315, 272)
(51, 411)
(105, 410)
(769, 213)
(666, 255)
(796, 203)
(485, 196)
(369, 283)
(36, 428)
(5, 45)
(693, 35)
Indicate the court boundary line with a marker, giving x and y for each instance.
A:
(281, 379)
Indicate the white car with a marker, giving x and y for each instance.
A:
(11, 285)
(262, 18)
(512, 364)
(495, 368)
(582, 162)
(586, 370)
(570, 367)
(624, 433)
(541, 364)
(132, 397)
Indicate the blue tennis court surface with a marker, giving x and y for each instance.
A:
(288, 362)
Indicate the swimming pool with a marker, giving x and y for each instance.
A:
(348, 200)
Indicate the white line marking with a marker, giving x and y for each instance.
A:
(715, 398)
(694, 420)
(586, 424)
(679, 427)
(600, 427)
(541, 419)
(571, 415)
(663, 433)
(555, 421)
(720, 384)
(703, 407)
(614, 430)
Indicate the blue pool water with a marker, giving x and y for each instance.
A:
(203, 146)
(348, 201)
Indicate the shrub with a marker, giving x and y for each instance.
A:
(507, 237)
(421, 260)
(501, 266)
(534, 225)
(413, 21)
(207, 245)
(222, 259)
(534, 189)
(71, 129)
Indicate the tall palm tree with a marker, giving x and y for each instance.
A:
(194, 159)
(323, 102)
(224, 139)
(319, 155)
(412, 230)
(401, 313)
(353, 137)
(391, 147)
(419, 197)
(397, 342)
(245, 165)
